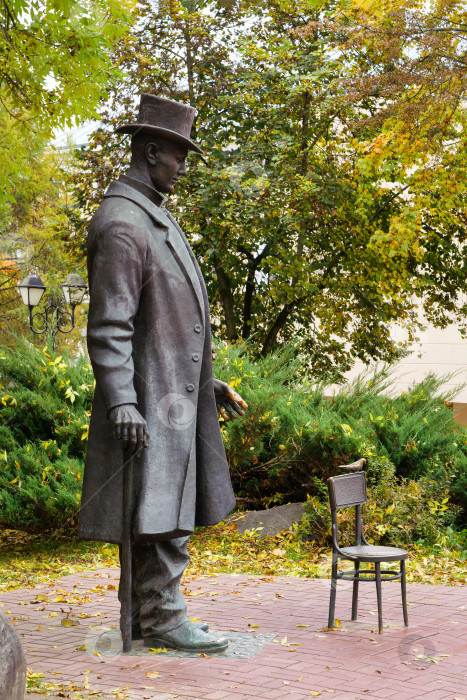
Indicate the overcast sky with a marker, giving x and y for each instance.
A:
(76, 137)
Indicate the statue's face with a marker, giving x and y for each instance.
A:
(167, 163)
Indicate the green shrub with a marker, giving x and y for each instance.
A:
(291, 439)
(288, 435)
(45, 405)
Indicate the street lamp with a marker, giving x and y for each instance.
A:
(55, 318)
(31, 289)
(74, 289)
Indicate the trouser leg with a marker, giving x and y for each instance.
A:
(157, 570)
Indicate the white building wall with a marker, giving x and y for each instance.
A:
(441, 351)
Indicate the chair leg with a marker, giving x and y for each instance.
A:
(379, 596)
(332, 599)
(355, 591)
(404, 593)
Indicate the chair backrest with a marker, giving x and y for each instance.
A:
(347, 490)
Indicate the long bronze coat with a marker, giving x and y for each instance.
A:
(149, 344)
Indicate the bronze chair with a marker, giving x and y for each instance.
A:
(344, 492)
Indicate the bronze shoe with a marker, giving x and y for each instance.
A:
(136, 633)
(188, 637)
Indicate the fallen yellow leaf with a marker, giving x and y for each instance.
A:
(66, 622)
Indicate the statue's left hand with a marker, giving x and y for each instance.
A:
(229, 403)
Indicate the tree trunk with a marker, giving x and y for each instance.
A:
(248, 301)
(253, 264)
(284, 313)
(190, 73)
(189, 66)
(276, 328)
(227, 299)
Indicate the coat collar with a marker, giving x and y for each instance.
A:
(121, 189)
(144, 188)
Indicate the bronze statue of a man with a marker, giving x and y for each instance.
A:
(150, 348)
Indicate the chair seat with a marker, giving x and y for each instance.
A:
(373, 553)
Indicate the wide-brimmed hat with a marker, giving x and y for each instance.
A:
(158, 115)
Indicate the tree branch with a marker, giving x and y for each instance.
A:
(387, 202)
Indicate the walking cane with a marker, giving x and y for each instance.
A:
(126, 568)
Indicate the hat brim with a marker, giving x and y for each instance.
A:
(159, 131)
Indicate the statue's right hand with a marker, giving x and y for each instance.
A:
(129, 427)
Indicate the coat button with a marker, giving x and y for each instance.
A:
(195, 357)
(190, 387)
(198, 328)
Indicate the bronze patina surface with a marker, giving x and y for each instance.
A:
(150, 348)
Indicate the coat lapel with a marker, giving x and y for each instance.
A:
(174, 235)
(178, 247)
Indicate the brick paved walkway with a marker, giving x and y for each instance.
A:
(429, 659)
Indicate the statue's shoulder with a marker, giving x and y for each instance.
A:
(119, 211)
(121, 201)
(118, 217)
(119, 204)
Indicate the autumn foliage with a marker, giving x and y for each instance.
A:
(331, 205)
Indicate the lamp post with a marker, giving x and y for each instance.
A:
(56, 317)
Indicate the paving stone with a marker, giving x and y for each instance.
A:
(324, 660)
